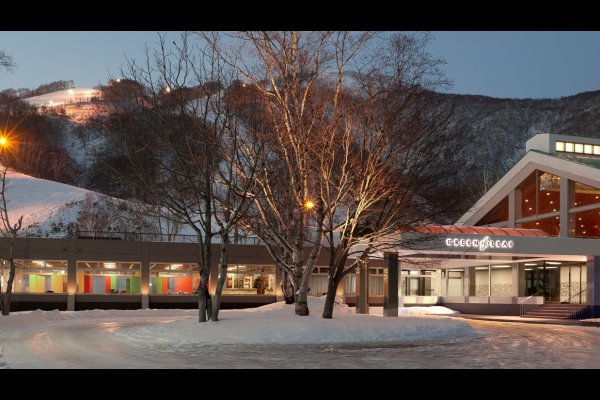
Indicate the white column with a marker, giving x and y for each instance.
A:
(515, 283)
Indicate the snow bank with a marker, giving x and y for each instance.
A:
(276, 324)
(270, 324)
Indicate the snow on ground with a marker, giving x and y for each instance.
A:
(274, 323)
(41, 201)
(407, 311)
(277, 324)
(103, 339)
(60, 97)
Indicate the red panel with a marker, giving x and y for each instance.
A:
(183, 284)
(107, 284)
(165, 285)
(87, 284)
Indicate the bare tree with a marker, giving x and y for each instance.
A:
(175, 142)
(10, 230)
(391, 164)
(6, 61)
(291, 75)
(356, 149)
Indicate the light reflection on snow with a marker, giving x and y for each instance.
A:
(92, 344)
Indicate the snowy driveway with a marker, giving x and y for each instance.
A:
(90, 343)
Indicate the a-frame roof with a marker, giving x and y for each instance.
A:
(578, 168)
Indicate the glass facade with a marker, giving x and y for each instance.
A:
(550, 225)
(174, 278)
(583, 195)
(548, 196)
(540, 194)
(108, 277)
(250, 279)
(455, 281)
(528, 196)
(491, 280)
(556, 281)
(375, 283)
(418, 283)
(498, 214)
(585, 224)
(36, 276)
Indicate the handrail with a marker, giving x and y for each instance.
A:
(533, 295)
(525, 299)
(568, 301)
(525, 306)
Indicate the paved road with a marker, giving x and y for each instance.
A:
(92, 344)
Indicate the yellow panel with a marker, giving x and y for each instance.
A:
(57, 283)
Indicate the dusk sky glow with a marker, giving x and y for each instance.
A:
(498, 64)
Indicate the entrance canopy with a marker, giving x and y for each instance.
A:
(481, 230)
(448, 246)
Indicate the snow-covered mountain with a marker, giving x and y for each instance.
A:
(62, 97)
(499, 130)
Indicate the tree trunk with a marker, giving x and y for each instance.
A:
(203, 296)
(332, 284)
(216, 306)
(9, 286)
(287, 287)
(302, 298)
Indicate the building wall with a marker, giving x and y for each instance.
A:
(145, 253)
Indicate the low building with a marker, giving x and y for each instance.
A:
(533, 238)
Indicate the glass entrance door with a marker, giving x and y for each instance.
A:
(544, 281)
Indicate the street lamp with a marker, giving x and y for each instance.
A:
(3, 141)
(309, 204)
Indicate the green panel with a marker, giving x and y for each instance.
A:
(113, 281)
(134, 285)
(31, 283)
(36, 284)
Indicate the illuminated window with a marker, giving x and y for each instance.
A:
(498, 214)
(108, 277)
(36, 276)
(455, 282)
(585, 224)
(569, 147)
(584, 195)
(174, 278)
(588, 149)
(250, 279)
(550, 225)
(597, 150)
(578, 148)
(560, 146)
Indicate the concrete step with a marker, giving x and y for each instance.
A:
(555, 311)
(542, 315)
